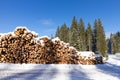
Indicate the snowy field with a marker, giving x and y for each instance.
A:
(108, 71)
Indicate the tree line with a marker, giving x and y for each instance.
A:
(84, 39)
(114, 43)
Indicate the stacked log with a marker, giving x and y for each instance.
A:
(24, 46)
(64, 53)
(13, 46)
(86, 58)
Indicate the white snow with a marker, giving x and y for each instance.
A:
(42, 43)
(108, 71)
(24, 27)
(4, 34)
(71, 47)
(34, 33)
(55, 39)
(44, 37)
(86, 54)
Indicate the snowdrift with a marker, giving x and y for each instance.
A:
(24, 46)
(108, 71)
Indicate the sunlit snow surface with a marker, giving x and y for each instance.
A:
(108, 71)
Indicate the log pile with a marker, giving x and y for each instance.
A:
(64, 53)
(23, 46)
(86, 58)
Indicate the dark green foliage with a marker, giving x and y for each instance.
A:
(115, 42)
(57, 32)
(94, 42)
(73, 34)
(109, 44)
(82, 36)
(99, 38)
(63, 33)
(89, 39)
(84, 39)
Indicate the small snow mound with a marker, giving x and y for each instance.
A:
(42, 43)
(26, 30)
(10, 33)
(71, 47)
(117, 54)
(44, 37)
(22, 27)
(6, 35)
(34, 33)
(55, 39)
(86, 53)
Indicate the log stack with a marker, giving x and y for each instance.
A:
(24, 46)
(64, 53)
(86, 58)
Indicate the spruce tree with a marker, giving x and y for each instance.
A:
(57, 32)
(64, 33)
(103, 44)
(94, 43)
(109, 44)
(73, 34)
(89, 37)
(99, 38)
(82, 35)
(114, 46)
(118, 41)
(115, 42)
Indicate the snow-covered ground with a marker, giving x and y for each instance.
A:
(108, 71)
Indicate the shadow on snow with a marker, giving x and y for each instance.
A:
(110, 69)
(77, 74)
(40, 74)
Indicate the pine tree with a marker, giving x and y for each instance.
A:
(62, 33)
(57, 32)
(73, 34)
(103, 44)
(67, 34)
(118, 34)
(100, 40)
(94, 37)
(115, 42)
(114, 46)
(89, 37)
(82, 35)
(109, 44)
(118, 41)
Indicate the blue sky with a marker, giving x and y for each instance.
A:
(44, 16)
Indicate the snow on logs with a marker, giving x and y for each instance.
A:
(86, 57)
(24, 46)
